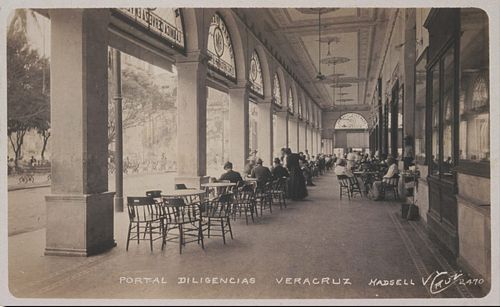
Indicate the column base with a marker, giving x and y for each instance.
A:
(193, 182)
(79, 225)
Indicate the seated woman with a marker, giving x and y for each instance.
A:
(342, 169)
(391, 172)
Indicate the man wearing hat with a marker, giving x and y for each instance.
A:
(261, 173)
(278, 170)
(232, 176)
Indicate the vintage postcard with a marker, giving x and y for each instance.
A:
(249, 153)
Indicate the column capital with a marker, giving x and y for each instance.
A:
(195, 56)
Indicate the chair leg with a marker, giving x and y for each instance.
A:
(146, 230)
(223, 232)
(128, 235)
(151, 236)
(138, 233)
(200, 235)
(209, 224)
(162, 229)
(181, 238)
(230, 229)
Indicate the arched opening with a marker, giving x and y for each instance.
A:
(277, 97)
(220, 48)
(350, 131)
(255, 75)
(291, 102)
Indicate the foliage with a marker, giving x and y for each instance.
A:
(27, 85)
(142, 98)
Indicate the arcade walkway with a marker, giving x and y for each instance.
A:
(322, 239)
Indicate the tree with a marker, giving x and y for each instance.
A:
(141, 99)
(27, 100)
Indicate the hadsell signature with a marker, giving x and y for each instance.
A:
(438, 282)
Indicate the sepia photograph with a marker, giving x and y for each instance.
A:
(249, 153)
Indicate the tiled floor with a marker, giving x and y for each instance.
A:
(322, 247)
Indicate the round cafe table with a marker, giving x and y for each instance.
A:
(218, 187)
(189, 195)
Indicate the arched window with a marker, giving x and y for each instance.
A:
(308, 114)
(351, 121)
(290, 101)
(256, 83)
(277, 91)
(220, 48)
(300, 110)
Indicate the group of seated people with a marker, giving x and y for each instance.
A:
(388, 168)
(261, 173)
(298, 168)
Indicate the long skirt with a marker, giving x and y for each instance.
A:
(297, 185)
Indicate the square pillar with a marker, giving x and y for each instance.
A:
(409, 73)
(238, 127)
(79, 208)
(191, 119)
(302, 136)
(281, 130)
(293, 135)
(265, 132)
(312, 148)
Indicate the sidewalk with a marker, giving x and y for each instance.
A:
(322, 238)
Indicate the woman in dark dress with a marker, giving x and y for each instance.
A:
(296, 184)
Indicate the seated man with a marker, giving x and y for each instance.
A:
(391, 172)
(341, 169)
(261, 173)
(278, 170)
(232, 176)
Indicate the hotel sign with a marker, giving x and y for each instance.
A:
(148, 19)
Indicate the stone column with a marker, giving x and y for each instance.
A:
(310, 137)
(238, 126)
(79, 208)
(302, 136)
(293, 138)
(282, 130)
(191, 119)
(409, 74)
(265, 132)
(306, 137)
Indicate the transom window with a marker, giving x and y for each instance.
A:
(256, 83)
(351, 121)
(165, 22)
(290, 101)
(220, 48)
(300, 110)
(277, 91)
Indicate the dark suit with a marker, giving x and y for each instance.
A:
(232, 176)
(279, 171)
(262, 174)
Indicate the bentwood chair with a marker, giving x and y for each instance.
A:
(354, 186)
(278, 191)
(344, 186)
(263, 196)
(244, 203)
(218, 213)
(145, 217)
(186, 219)
(391, 185)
